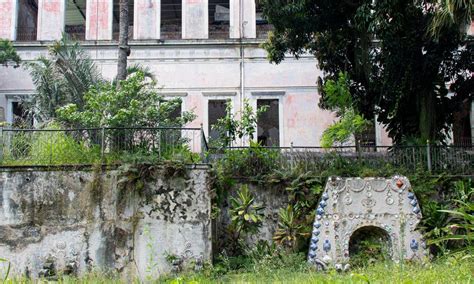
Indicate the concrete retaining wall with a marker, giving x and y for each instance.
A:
(71, 221)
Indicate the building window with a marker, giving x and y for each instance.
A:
(19, 117)
(116, 19)
(268, 124)
(262, 25)
(75, 19)
(217, 109)
(367, 140)
(219, 15)
(171, 19)
(27, 20)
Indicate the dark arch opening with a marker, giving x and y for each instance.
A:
(369, 245)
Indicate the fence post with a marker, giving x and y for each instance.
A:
(1, 144)
(203, 145)
(51, 143)
(102, 144)
(358, 145)
(428, 155)
(292, 158)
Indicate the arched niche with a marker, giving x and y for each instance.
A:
(369, 244)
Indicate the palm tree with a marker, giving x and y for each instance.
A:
(449, 14)
(63, 77)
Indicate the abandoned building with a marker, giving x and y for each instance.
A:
(205, 51)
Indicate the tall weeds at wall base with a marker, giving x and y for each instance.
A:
(5, 273)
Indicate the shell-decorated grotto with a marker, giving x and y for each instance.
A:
(350, 204)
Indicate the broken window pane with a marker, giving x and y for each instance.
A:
(268, 125)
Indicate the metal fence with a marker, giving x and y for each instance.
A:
(457, 160)
(91, 145)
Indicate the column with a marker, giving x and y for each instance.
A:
(8, 19)
(243, 11)
(99, 19)
(195, 19)
(50, 19)
(147, 19)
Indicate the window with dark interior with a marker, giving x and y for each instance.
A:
(268, 124)
(27, 20)
(116, 19)
(219, 19)
(216, 111)
(75, 19)
(20, 116)
(171, 19)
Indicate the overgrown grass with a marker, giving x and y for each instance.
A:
(446, 270)
(452, 270)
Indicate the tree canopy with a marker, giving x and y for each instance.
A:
(396, 68)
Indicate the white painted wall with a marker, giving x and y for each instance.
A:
(204, 69)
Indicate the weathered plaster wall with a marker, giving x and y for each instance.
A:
(99, 20)
(50, 19)
(195, 21)
(8, 20)
(147, 19)
(79, 220)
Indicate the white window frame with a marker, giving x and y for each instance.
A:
(14, 98)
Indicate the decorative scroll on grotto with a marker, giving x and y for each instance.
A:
(348, 205)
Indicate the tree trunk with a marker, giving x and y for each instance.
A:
(124, 49)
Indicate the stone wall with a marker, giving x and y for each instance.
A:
(272, 197)
(71, 221)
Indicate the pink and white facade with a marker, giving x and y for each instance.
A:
(197, 67)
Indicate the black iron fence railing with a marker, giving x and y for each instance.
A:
(31, 147)
(91, 145)
(458, 160)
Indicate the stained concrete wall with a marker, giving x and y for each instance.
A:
(199, 71)
(195, 20)
(147, 19)
(242, 19)
(99, 20)
(8, 19)
(50, 19)
(80, 220)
